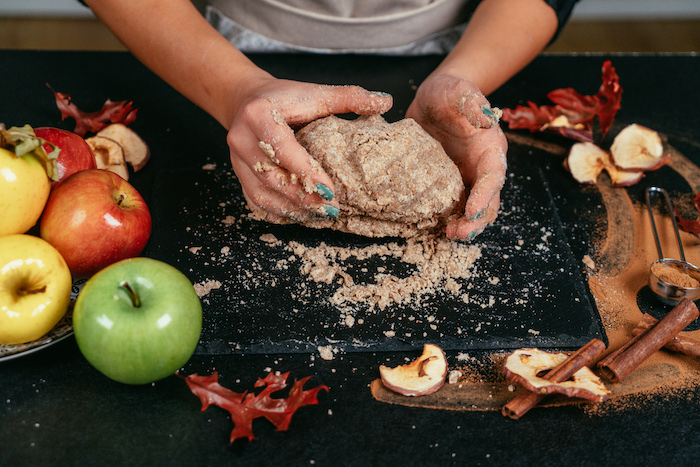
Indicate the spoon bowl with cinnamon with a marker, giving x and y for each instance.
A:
(671, 279)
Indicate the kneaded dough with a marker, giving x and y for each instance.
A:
(391, 179)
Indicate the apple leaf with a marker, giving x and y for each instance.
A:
(247, 406)
(23, 140)
(690, 225)
(111, 112)
(572, 115)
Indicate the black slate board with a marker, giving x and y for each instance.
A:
(529, 289)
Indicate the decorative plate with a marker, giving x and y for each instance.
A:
(63, 329)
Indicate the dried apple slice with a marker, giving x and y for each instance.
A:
(423, 376)
(136, 151)
(637, 147)
(586, 161)
(524, 365)
(623, 177)
(109, 155)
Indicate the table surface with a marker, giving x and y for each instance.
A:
(56, 409)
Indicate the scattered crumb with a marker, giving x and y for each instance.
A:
(203, 288)
(326, 352)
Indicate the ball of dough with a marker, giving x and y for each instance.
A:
(391, 179)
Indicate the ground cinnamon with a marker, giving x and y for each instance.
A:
(526, 400)
(617, 365)
(674, 275)
(681, 344)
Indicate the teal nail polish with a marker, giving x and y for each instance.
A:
(486, 110)
(381, 93)
(479, 214)
(324, 192)
(331, 211)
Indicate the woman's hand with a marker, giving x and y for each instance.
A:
(458, 115)
(275, 171)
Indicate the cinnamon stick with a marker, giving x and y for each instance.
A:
(526, 400)
(681, 344)
(624, 360)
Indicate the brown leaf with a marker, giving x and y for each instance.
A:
(247, 406)
(85, 122)
(578, 111)
(690, 225)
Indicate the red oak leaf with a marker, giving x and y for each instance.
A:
(690, 225)
(572, 114)
(245, 407)
(111, 112)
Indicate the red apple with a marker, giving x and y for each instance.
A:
(75, 153)
(95, 218)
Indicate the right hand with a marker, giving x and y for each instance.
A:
(275, 171)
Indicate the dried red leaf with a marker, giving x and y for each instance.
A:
(689, 225)
(111, 112)
(245, 407)
(579, 111)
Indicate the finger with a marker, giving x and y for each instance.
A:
(474, 106)
(260, 195)
(467, 229)
(301, 175)
(329, 100)
(483, 168)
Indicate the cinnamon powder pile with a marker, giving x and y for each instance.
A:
(675, 275)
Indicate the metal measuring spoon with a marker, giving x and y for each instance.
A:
(667, 289)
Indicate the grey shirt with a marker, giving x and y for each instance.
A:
(341, 26)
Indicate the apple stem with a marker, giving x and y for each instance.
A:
(132, 293)
(32, 291)
(120, 199)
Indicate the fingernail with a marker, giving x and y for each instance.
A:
(486, 110)
(478, 214)
(324, 192)
(468, 238)
(381, 93)
(331, 211)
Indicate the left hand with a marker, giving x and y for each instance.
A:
(456, 113)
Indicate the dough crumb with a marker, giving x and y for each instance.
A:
(203, 288)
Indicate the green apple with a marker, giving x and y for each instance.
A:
(137, 320)
(35, 286)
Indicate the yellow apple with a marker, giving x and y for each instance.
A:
(35, 287)
(25, 168)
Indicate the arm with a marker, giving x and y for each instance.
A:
(172, 39)
(501, 38)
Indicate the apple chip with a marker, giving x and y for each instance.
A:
(109, 155)
(586, 161)
(423, 376)
(136, 151)
(525, 365)
(637, 147)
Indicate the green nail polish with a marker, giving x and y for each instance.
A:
(486, 110)
(479, 214)
(331, 211)
(324, 192)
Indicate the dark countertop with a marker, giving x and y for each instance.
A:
(56, 410)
